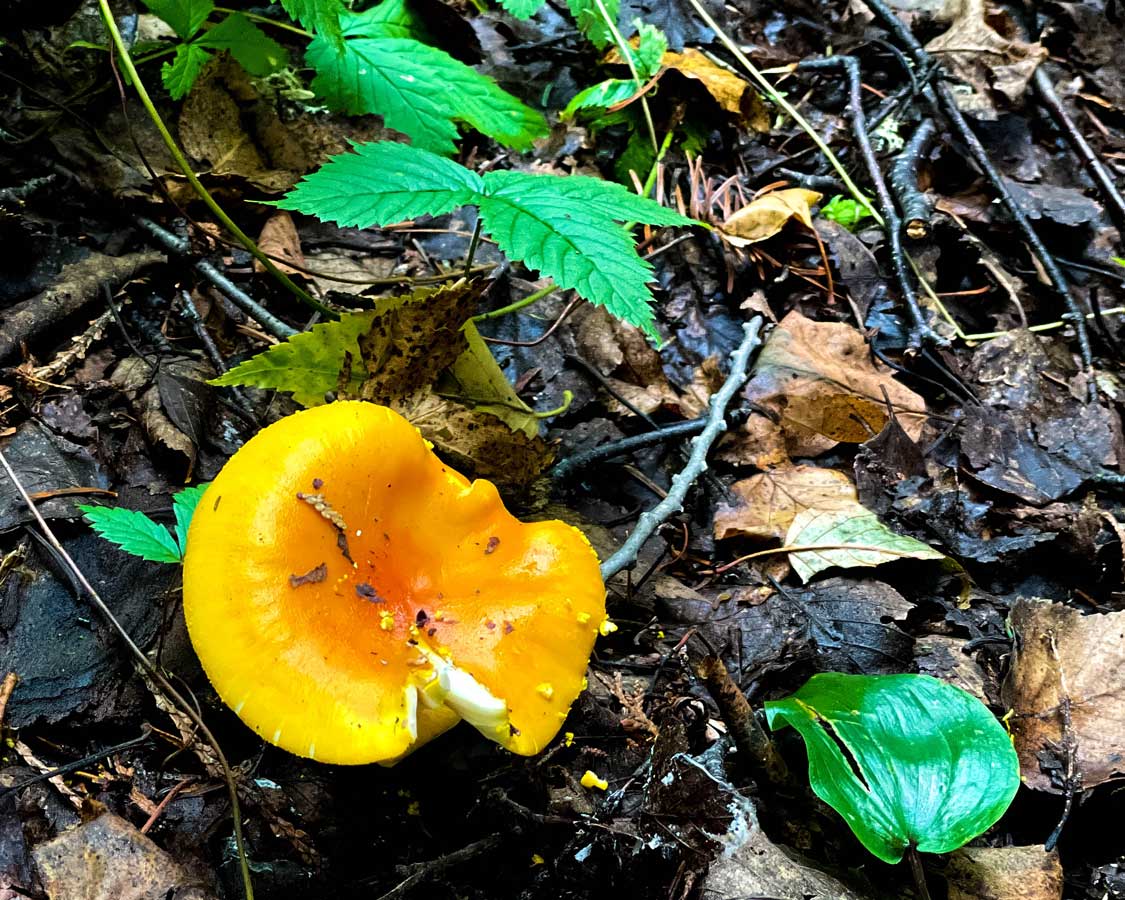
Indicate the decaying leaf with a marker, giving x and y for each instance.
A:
(1063, 657)
(820, 380)
(765, 216)
(279, 239)
(851, 536)
(733, 94)
(108, 859)
(476, 440)
(981, 58)
(768, 502)
(1005, 873)
(476, 380)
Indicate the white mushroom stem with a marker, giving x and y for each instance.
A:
(466, 696)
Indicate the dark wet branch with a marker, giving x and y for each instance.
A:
(915, 205)
(920, 332)
(943, 96)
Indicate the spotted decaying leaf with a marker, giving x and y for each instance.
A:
(768, 502)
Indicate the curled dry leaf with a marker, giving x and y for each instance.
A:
(820, 380)
(280, 240)
(768, 502)
(732, 93)
(1062, 657)
(851, 536)
(765, 216)
(983, 59)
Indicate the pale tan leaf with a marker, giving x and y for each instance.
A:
(768, 502)
(766, 215)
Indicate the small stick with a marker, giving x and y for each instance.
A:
(569, 466)
(652, 519)
(1115, 203)
(941, 94)
(915, 205)
(920, 333)
(755, 748)
(230, 290)
(9, 685)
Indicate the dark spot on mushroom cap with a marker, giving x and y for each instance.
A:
(313, 576)
(367, 592)
(318, 483)
(421, 617)
(508, 627)
(215, 508)
(490, 625)
(493, 543)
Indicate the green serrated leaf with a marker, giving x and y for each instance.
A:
(650, 50)
(935, 768)
(133, 532)
(845, 211)
(637, 157)
(476, 380)
(391, 18)
(383, 182)
(321, 17)
(852, 536)
(420, 91)
(522, 9)
(180, 74)
(256, 52)
(308, 364)
(592, 23)
(565, 228)
(601, 96)
(185, 17)
(183, 505)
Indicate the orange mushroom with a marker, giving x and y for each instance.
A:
(352, 597)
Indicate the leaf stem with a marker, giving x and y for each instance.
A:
(918, 872)
(189, 174)
(518, 305)
(627, 54)
(474, 242)
(568, 398)
(266, 20)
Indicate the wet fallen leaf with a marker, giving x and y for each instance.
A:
(732, 93)
(851, 536)
(108, 859)
(1004, 873)
(765, 216)
(768, 502)
(981, 58)
(820, 380)
(1062, 656)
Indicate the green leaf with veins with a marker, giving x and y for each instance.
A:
(133, 532)
(650, 50)
(592, 23)
(601, 96)
(185, 17)
(256, 52)
(391, 18)
(383, 182)
(180, 74)
(522, 9)
(845, 211)
(321, 17)
(420, 91)
(907, 760)
(183, 505)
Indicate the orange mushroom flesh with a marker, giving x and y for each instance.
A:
(351, 597)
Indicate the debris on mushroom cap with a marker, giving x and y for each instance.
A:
(340, 602)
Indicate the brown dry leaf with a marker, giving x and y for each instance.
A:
(476, 440)
(109, 859)
(765, 216)
(759, 443)
(806, 366)
(980, 57)
(416, 337)
(706, 379)
(631, 365)
(279, 239)
(842, 417)
(1060, 653)
(1004, 873)
(732, 93)
(769, 502)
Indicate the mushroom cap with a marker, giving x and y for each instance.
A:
(341, 582)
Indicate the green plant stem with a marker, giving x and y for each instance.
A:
(627, 54)
(266, 20)
(568, 398)
(789, 108)
(189, 174)
(474, 242)
(518, 305)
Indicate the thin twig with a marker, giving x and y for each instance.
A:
(920, 333)
(940, 94)
(1115, 203)
(230, 290)
(144, 664)
(915, 205)
(650, 520)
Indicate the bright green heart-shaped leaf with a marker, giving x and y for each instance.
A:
(851, 536)
(905, 759)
